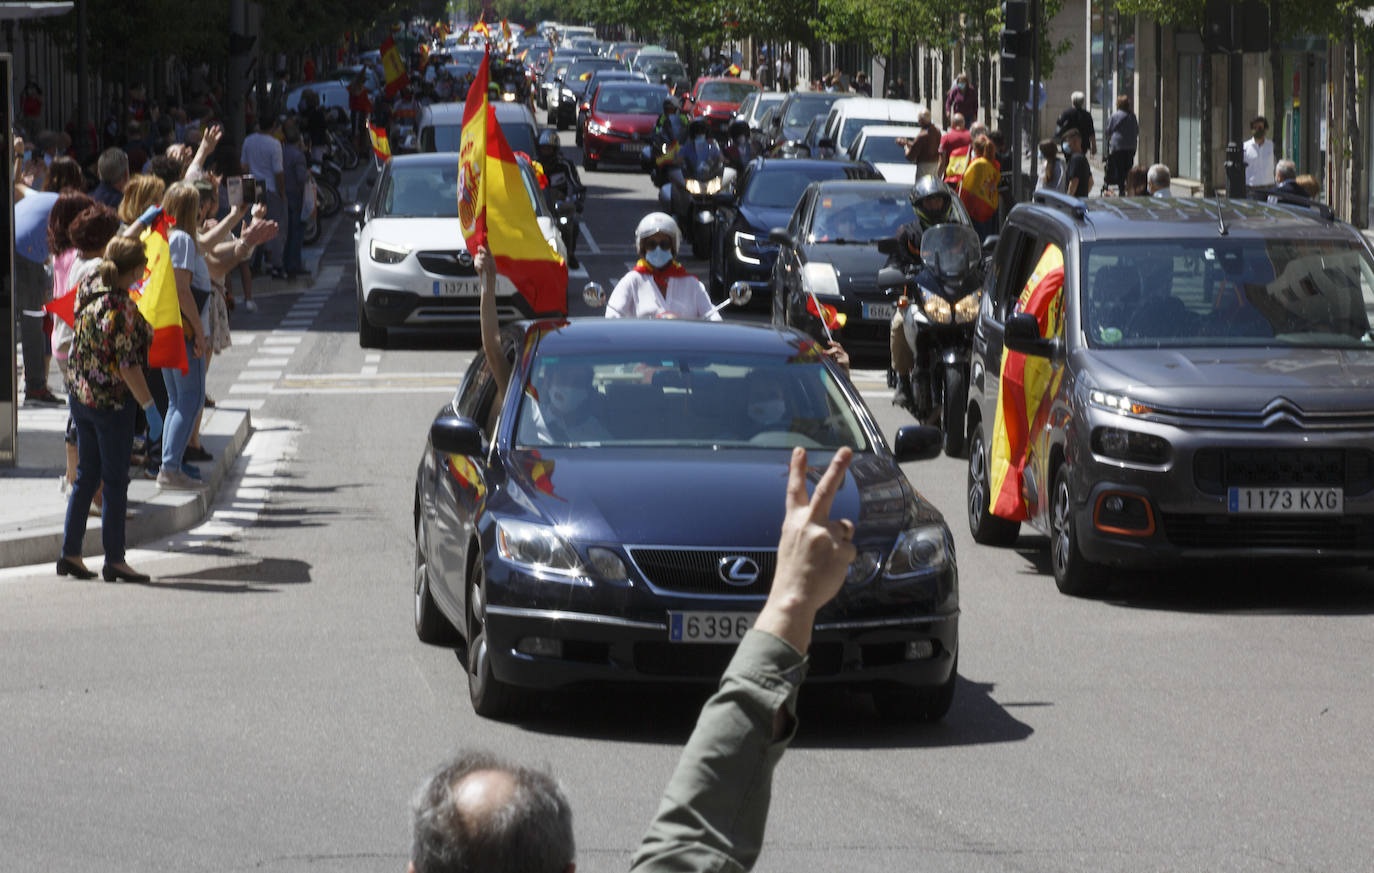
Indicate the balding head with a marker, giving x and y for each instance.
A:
(481, 813)
(957, 122)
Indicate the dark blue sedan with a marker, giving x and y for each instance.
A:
(617, 517)
(769, 189)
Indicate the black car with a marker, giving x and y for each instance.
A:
(572, 88)
(829, 257)
(767, 193)
(616, 518)
(793, 119)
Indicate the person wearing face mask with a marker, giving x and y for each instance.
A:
(766, 406)
(569, 407)
(658, 286)
(1259, 155)
(962, 99)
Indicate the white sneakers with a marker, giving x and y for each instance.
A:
(175, 480)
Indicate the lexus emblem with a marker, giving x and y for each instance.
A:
(738, 570)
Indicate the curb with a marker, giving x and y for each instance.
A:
(159, 513)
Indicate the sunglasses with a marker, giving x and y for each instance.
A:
(666, 245)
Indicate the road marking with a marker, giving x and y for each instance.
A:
(267, 362)
(255, 388)
(260, 375)
(370, 363)
(288, 340)
(591, 242)
(253, 404)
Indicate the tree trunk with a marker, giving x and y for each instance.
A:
(1358, 214)
(1205, 129)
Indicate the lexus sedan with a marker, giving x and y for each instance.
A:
(616, 518)
(412, 268)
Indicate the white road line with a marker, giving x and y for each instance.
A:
(260, 388)
(372, 357)
(280, 341)
(369, 370)
(242, 403)
(267, 362)
(591, 243)
(241, 337)
(260, 375)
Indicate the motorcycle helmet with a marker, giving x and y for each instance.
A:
(737, 129)
(656, 223)
(548, 145)
(927, 187)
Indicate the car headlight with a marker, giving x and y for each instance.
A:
(569, 96)
(918, 550)
(388, 253)
(598, 129)
(508, 96)
(820, 278)
(1117, 403)
(966, 308)
(936, 308)
(1130, 445)
(747, 248)
(862, 567)
(537, 546)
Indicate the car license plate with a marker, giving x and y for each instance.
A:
(1287, 501)
(709, 627)
(457, 288)
(879, 311)
(631, 147)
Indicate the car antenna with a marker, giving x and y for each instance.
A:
(1221, 222)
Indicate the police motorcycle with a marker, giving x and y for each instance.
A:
(939, 308)
(694, 182)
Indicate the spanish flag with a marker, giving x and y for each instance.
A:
(481, 27)
(733, 70)
(505, 32)
(831, 317)
(393, 67)
(1027, 389)
(381, 144)
(494, 208)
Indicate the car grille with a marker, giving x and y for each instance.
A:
(1215, 470)
(694, 661)
(694, 571)
(1277, 532)
(457, 263)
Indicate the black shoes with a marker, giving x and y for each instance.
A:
(196, 453)
(66, 567)
(44, 397)
(114, 574)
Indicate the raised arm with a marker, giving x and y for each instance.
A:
(491, 325)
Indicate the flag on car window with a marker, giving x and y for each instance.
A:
(831, 317)
(1026, 390)
(393, 67)
(381, 144)
(494, 207)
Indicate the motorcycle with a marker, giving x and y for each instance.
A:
(566, 205)
(690, 194)
(939, 309)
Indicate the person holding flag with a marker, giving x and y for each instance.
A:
(658, 286)
(978, 186)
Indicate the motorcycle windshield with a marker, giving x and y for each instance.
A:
(702, 157)
(951, 250)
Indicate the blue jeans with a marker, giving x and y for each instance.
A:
(295, 238)
(185, 395)
(104, 440)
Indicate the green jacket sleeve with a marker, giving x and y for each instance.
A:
(714, 810)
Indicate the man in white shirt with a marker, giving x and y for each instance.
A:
(1259, 155)
(261, 157)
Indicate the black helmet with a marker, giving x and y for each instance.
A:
(929, 186)
(548, 142)
(738, 127)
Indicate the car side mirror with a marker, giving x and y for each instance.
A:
(780, 236)
(990, 245)
(917, 442)
(888, 246)
(594, 295)
(891, 277)
(454, 435)
(1022, 334)
(825, 143)
(564, 208)
(725, 198)
(740, 294)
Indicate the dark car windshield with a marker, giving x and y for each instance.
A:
(446, 137)
(420, 191)
(802, 109)
(1234, 292)
(782, 187)
(883, 150)
(631, 99)
(853, 216)
(687, 400)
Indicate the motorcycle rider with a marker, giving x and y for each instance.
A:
(564, 184)
(934, 204)
(670, 129)
(658, 286)
(739, 150)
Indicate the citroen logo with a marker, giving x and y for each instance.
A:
(737, 570)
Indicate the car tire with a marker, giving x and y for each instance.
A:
(431, 625)
(491, 698)
(1074, 574)
(952, 417)
(907, 704)
(986, 528)
(588, 163)
(370, 336)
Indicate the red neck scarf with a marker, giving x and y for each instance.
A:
(662, 276)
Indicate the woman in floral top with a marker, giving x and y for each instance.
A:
(109, 349)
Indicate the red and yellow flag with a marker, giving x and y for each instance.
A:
(831, 317)
(505, 32)
(733, 70)
(381, 143)
(494, 208)
(481, 27)
(1028, 385)
(958, 163)
(393, 67)
(978, 189)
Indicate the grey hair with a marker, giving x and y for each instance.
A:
(1077, 98)
(1285, 170)
(113, 166)
(531, 833)
(1158, 177)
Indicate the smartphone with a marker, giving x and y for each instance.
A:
(250, 190)
(235, 185)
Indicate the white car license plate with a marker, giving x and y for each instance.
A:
(709, 627)
(457, 288)
(879, 311)
(1287, 501)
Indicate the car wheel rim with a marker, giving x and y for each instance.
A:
(477, 656)
(421, 585)
(1062, 528)
(977, 472)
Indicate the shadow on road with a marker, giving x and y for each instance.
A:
(248, 578)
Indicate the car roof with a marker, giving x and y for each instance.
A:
(806, 163)
(1138, 218)
(861, 186)
(452, 113)
(593, 334)
(872, 130)
(705, 79)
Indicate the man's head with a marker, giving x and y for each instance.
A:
(1285, 170)
(569, 387)
(478, 812)
(113, 167)
(931, 199)
(1259, 126)
(1077, 98)
(977, 129)
(923, 117)
(1073, 140)
(1158, 178)
(957, 122)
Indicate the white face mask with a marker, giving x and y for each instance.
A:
(767, 411)
(658, 258)
(566, 398)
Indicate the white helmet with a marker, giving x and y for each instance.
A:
(656, 223)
